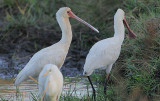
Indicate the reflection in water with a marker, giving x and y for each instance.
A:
(75, 86)
(8, 90)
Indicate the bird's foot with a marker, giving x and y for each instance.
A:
(105, 88)
(94, 95)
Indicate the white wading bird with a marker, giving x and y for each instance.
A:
(50, 83)
(105, 52)
(54, 54)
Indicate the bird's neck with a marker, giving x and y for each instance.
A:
(66, 30)
(119, 29)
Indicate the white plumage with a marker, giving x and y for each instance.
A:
(50, 83)
(54, 54)
(104, 53)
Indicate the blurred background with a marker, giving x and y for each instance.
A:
(26, 26)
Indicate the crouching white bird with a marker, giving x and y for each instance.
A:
(50, 83)
(54, 54)
(105, 52)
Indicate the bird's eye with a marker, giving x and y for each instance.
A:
(67, 11)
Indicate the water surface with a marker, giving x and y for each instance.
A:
(75, 86)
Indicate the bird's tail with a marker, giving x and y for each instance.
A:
(20, 78)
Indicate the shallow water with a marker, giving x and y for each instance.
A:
(75, 86)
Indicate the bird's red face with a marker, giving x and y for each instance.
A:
(131, 34)
(72, 15)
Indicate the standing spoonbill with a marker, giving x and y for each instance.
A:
(54, 54)
(50, 83)
(104, 53)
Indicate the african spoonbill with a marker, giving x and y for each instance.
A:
(104, 53)
(54, 54)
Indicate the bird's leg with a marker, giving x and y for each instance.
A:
(94, 91)
(105, 84)
(108, 69)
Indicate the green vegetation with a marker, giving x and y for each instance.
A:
(136, 74)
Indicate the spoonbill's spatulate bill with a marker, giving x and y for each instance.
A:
(105, 52)
(54, 54)
(50, 83)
